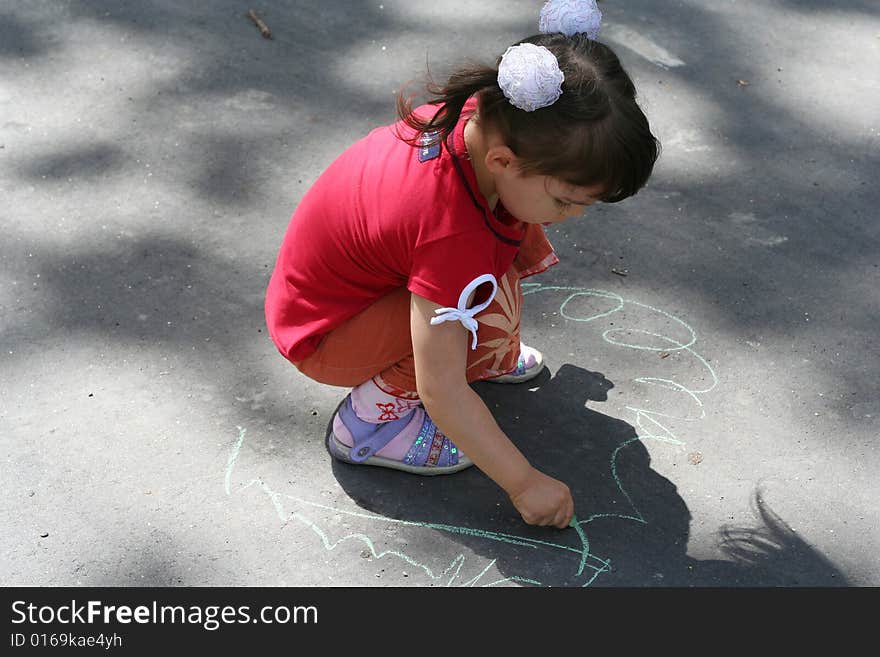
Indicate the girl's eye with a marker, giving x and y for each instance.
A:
(562, 205)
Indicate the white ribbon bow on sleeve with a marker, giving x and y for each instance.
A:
(464, 314)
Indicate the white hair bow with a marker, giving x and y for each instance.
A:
(530, 77)
(571, 17)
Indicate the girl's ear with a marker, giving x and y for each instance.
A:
(500, 158)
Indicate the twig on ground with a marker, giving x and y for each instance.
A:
(264, 29)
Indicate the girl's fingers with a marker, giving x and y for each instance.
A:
(566, 516)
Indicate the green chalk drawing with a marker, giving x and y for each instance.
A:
(452, 571)
(647, 422)
(233, 456)
(580, 532)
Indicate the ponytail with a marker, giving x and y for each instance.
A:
(450, 99)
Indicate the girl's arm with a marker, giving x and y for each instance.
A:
(441, 360)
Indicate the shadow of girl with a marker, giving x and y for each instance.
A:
(632, 526)
(631, 521)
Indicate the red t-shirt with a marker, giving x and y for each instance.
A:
(382, 216)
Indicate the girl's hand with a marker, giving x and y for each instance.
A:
(543, 500)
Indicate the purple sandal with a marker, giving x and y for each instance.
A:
(431, 453)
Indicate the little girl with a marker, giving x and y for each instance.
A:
(399, 274)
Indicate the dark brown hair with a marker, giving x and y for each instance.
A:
(594, 134)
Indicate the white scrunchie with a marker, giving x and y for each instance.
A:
(530, 77)
(571, 17)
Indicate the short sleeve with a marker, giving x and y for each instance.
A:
(442, 268)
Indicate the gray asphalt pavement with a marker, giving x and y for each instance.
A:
(712, 386)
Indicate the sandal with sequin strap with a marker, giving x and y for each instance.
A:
(431, 453)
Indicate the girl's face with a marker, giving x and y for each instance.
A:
(539, 199)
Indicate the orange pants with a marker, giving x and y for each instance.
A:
(376, 343)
